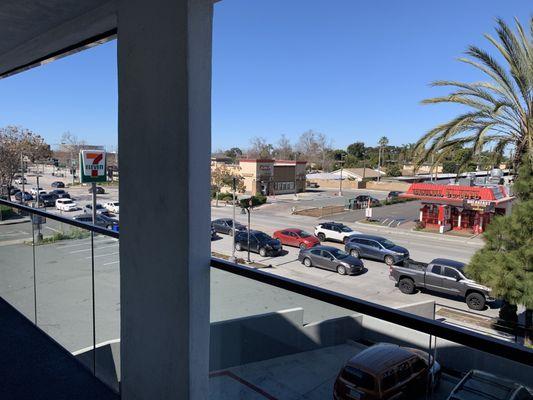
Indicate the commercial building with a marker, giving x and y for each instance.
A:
(459, 207)
(267, 176)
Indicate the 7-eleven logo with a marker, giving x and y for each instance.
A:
(92, 166)
(96, 159)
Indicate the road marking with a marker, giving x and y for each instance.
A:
(53, 229)
(103, 255)
(113, 262)
(82, 250)
(85, 242)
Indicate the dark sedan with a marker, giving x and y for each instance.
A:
(101, 220)
(60, 193)
(47, 200)
(332, 259)
(225, 226)
(57, 184)
(260, 243)
(99, 190)
(27, 196)
(377, 248)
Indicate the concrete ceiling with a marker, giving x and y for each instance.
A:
(30, 29)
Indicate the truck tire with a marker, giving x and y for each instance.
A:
(475, 301)
(389, 260)
(406, 285)
(321, 237)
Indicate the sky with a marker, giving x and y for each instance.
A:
(352, 70)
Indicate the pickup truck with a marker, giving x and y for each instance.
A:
(440, 275)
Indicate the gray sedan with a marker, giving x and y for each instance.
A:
(331, 258)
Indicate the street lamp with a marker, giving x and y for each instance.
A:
(247, 209)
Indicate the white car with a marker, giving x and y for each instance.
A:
(112, 206)
(21, 181)
(334, 231)
(34, 191)
(66, 205)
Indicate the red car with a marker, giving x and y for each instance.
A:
(296, 237)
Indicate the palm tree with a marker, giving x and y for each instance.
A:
(501, 108)
(383, 142)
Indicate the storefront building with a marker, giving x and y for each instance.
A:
(470, 208)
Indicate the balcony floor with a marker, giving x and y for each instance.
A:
(35, 367)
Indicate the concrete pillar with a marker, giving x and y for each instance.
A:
(164, 84)
(459, 219)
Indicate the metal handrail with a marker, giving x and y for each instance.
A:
(439, 329)
(68, 221)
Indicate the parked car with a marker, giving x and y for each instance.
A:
(99, 208)
(213, 232)
(260, 243)
(313, 185)
(27, 196)
(376, 248)
(225, 225)
(479, 385)
(296, 237)
(62, 194)
(393, 195)
(13, 190)
(66, 205)
(442, 276)
(47, 200)
(99, 190)
(331, 258)
(57, 184)
(34, 191)
(334, 231)
(21, 181)
(101, 220)
(386, 371)
(113, 206)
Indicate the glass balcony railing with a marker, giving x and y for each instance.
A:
(270, 337)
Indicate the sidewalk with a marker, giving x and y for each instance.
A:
(13, 221)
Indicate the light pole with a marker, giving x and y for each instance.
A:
(340, 182)
(232, 259)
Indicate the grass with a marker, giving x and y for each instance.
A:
(72, 235)
(5, 212)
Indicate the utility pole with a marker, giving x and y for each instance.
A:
(340, 181)
(232, 259)
(22, 171)
(39, 233)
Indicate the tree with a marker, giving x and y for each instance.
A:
(505, 263)
(501, 108)
(314, 147)
(383, 142)
(233, 153)
(357, 150)
(222, 176)
(72, 145)
(260, 148)
(17, 142)
(283, 149)
(394, 170)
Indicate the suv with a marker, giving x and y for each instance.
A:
(386, 371)
(490, 387)
(66, 205)
(47, 200)
(334, 231)
(377, 248)
(260, 243)
(101, 220)
(99, 208)
(57, 184)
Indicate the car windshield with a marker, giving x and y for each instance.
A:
(262, 236)
(345, 228)
(67, 202)
(304, 234)
(339, 254)
(387, 243)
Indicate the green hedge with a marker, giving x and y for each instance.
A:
(6, 212)
(257, 200)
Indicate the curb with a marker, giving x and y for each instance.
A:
(17, 221)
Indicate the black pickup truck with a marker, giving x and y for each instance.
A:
(440, 275)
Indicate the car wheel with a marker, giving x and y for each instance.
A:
(307, 262)
(406, 285)
(302, 246)
(345, 239)
(109, 227)
(262, 252)
(341, 270)
(238, 246)
(355, 253)
(475, 301)
(389, 260)
(230, 232)
(321, 237)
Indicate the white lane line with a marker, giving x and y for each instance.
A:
(53, 229)
(102, 255)
(99, 248)
(113, 262)
(83, 242)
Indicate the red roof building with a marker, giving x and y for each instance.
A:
(459, 207)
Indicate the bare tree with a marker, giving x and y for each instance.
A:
(315, 148)
(283, 149)
(72, 145)
(260, 148)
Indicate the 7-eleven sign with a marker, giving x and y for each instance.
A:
(92, 166)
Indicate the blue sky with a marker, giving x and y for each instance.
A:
(353, 70)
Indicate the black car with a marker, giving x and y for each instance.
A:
(27, 196)
(377, 248)
(364, 199)
(225, 225)
(57, 184)
(393, 195)
(47, 200)
(60, 193)
(101, 220)
(260, 243)
(13, 190)
(99, 190)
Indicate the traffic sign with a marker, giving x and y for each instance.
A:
(93, 166)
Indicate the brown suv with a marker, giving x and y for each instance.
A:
(385, 371)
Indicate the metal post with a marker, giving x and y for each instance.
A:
(248, 209)
(379, 164)
(340, 182)
(233, 222)
(93, 185)
(39, 234)
(22, 171)
(34, 275)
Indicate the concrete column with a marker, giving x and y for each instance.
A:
(459, 219)
(164, 84)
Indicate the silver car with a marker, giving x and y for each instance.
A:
(331, 258)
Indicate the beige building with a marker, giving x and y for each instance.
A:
(267, 176)
(409, 169)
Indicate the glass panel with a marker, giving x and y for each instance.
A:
(16, 261)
